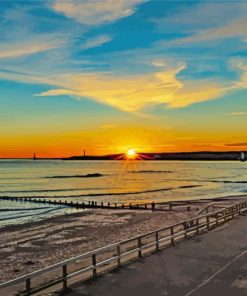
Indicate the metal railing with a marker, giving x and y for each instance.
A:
(92, 263)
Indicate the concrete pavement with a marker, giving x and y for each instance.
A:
(214, 263)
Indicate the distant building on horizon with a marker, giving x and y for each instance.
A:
(242, 156)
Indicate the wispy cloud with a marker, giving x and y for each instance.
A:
(96, 41)
(237, 113)
(236, 144)
(133, 93)
(159, 63)
(96, 12)
(206, 21)
(234, 29)
(15, 50)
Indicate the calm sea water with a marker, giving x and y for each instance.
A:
(113, 181)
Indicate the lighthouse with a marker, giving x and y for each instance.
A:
(242, 156)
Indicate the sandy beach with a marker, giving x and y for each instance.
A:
(32, 246)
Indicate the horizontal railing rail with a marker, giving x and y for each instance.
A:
(136, 245)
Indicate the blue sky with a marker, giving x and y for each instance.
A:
(74, 66)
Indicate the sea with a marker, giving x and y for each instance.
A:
(111, 181)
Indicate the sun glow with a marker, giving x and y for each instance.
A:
(131, 153)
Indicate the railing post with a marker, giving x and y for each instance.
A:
(28, 286)
(224, 214)
(65, 285)
(118, 255)
(208, 222)
(139, 246)
(185, 229)
(197, 226)
(94, 265)
(157, 240)
(172, 239)
(217, 220)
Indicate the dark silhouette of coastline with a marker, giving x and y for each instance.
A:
(202, 155)
(183, 156)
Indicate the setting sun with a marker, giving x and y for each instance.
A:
(131, 153)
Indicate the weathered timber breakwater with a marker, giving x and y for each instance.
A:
(165, 206)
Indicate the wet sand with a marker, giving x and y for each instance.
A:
(31, 246)
(28, 247)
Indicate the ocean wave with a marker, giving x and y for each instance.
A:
(209, 181)
(51, 190)
(150, 172)
(95, 175)
(112, 193)
(22, 209)
(30, 215)
(233, 182)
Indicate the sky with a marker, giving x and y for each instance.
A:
(112, 75)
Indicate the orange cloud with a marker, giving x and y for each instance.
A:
(133, 93)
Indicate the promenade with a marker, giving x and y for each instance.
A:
(214, 263)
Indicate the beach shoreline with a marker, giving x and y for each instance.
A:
(33, 246)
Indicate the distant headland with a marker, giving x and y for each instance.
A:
(152, 156)
(202, 155)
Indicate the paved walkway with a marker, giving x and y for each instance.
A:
(211, 264)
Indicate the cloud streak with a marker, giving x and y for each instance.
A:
(136, 92)
(96, 12)
(236, 144)
(96, 41)
(16, 50)
(237, 113)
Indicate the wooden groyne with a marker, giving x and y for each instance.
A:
(162, 206)
(98, 261)
(84, 204)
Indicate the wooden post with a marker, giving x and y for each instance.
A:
(28, 286)
(65, 277)
(157, 240)
(185, 229)
(207, 222)
(139, 246)
(197, 225)
(224, 213)
(94, 265)
(172, 238)
(118, 255)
